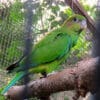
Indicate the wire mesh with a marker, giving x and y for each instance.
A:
(8, 53)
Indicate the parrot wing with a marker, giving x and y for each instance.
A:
(55, 49)
(52, 47)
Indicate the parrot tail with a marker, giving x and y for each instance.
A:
(12, 67)
(13, 81)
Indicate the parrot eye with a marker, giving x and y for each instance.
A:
(75, 20)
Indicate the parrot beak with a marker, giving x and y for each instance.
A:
(83, 24)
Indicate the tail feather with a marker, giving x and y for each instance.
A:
(13, 81)
(12, 67)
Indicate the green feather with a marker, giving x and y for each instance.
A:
(13, 81)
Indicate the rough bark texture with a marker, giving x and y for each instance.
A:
(77, 8)
(79, 78)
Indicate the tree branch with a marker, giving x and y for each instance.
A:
(79, 78)
(78, 8)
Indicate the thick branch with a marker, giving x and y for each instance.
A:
(79, 78)
(77, 8)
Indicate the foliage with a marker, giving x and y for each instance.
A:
(11, 32)
(1, 97)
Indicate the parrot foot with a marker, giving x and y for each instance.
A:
(44, 75)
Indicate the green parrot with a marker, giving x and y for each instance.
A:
(51, 51)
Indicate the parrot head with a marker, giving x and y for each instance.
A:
(75, 24)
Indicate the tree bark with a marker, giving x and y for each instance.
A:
(79, 78)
